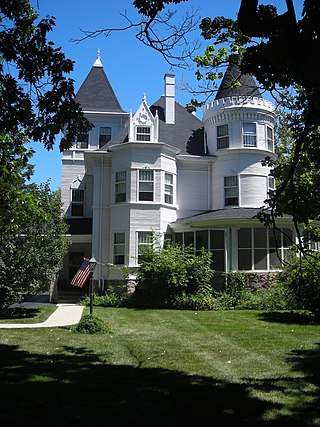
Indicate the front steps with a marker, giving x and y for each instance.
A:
(71, 296)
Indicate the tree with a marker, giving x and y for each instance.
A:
(32, 229)
(36, 97)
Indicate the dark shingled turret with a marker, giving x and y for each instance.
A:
(247, 87)
(96, 93)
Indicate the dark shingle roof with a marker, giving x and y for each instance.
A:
(229, 213)
(186, 134)
(247, 87)
(96, 93)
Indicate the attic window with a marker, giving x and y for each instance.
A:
(104, 136)
(143, 133)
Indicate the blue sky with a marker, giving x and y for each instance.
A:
(131, 67)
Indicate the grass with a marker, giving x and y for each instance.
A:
(27, 315)
(168, 368)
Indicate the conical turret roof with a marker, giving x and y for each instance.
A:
(247, 87)
(96, 93)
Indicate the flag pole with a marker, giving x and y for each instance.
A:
(92, 264)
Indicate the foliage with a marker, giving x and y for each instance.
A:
(37, 102)
(110, 299)
(301, 277)
(168, 271)
(235, 285)
(203, 299)
(32, 230)
(271, 299)
(36, 97)
(91, 324)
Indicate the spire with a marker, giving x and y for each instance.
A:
(247, 86)
(98, 62)
(96, 93)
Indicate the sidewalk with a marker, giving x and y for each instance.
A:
(64, 315)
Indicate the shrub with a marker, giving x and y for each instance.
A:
(91, 324)
(110, 299)
(224, 301)
(274, 298)
(201, 300)
(301, 278)
(236, 282)
(171, 271)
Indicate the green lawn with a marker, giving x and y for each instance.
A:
(165, 368)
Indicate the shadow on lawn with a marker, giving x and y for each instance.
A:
(290, 317)
(19, 313)
(79, 390)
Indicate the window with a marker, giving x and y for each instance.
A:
(218, 250)
(249, 135)
(143, 133)
(77, 202)
(231, 197)
(260, 249)
(271, 186)
(104, 136)
(211, 240)
(146, 185)
(144, 240)
(118, 248)
(82, 140)
(120, 187)
(270, 139)
(222, 137)
(168, 188)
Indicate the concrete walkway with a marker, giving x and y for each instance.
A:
(65, 315)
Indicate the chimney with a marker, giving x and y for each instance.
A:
(169, 98)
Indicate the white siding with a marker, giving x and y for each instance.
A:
(192, 192)
(253, 190)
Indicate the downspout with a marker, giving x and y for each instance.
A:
(100, 228)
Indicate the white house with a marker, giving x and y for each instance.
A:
(163, 170)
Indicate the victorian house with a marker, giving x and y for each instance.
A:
(162, 170)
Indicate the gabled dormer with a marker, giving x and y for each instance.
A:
(144, 127)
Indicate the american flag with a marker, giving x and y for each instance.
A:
(82, 275)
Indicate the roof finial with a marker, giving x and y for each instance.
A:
(98, 62)
(144, 96)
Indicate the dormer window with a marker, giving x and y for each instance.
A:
(144, 126)
(82, 140)
(143, 133)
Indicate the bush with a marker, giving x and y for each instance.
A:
(301, 278)
(236, 282)
(201, 300)
(274, 298)
(90, 324)
(110, 299)
(166, 273)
